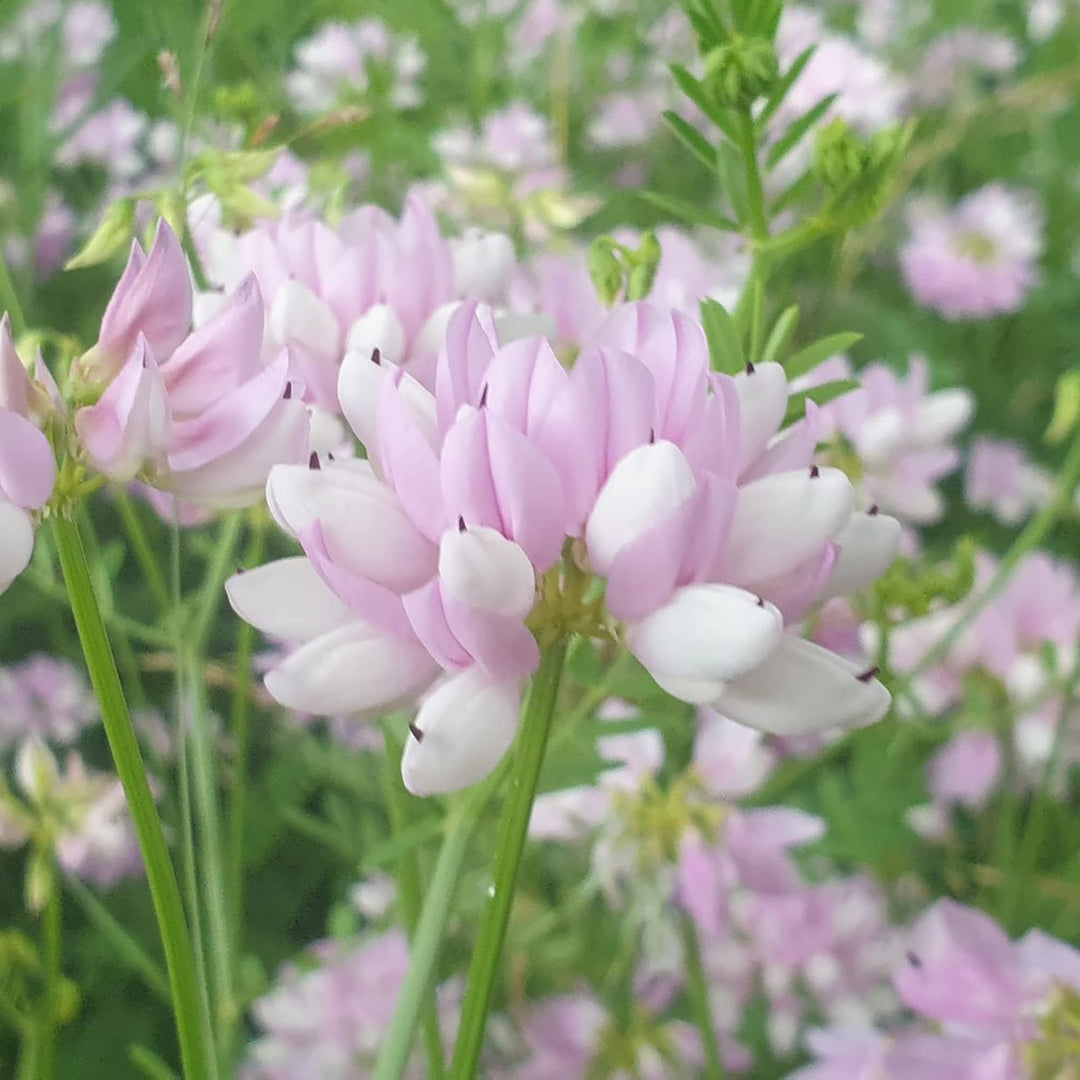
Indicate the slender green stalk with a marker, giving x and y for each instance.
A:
(697, 989)
(755, 190)
(144, 553)
(179, 957)
(124, 945)
(408, 883)
(52, 930)
(9, 299)
(424, 951)
(241, 728)
(1030, 538)
(529, 756)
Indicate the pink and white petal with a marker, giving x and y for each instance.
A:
(378, 328)
(763, 398)
(466, 725)
(354, 668)
(483, 569)
(500, 644)
(524, 383)
(868, 545)
(287, 599)
(464, 360)
(297, 314)
(426, 612)
(803, 689)
(16, 542)
(783, 520)
(27, 465)
(794, 592)
(714, 513)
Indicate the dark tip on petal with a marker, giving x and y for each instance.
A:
(750, 369)
(868, 674)
(288, 391)
(652, 436)
(873, 511)
(329, 456)
(313, 461)
(913, 960)
(240, 570)
(460, 524)
(376, 357)
(761, 601)
(415, 732)
(815, 472)
(483, 396)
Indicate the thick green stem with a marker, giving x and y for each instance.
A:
(424, 951)
(514, 823)
(755, 191)
(51, 927)
(408, 883)
(179, 957)
(697, 989)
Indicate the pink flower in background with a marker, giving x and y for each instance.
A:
(1002, 479)
(902, 433)
(959, 55)
(326, 1016)
(374, 282)
(27, 464)
(85, 813)
(976, 259)
(47, 698)
(200, 414)
(966, 769)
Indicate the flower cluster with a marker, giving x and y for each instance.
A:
(665, 479)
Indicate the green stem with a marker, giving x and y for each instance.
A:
(125, 946)
(52, 929)
(144, 553)
(697, 989)
(408, 883)
(1031, 537)
(755, 190)
(179, 957)
(529, 757)
(241, 730)
(424, 950)
(9, 299)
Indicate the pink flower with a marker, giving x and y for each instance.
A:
(977, 259)
(902, 433)
(1001, 478)
(966, 769)
(201, 415)
(27, 465)
(470, 493)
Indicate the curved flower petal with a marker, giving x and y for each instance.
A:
(763, 398)
(16, 542)
(483, 569)
(801, 689)
(466, 724)
(354, 668)
(868, 544)
(27, 465)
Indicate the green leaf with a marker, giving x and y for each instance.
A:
(807, 359)
(687, 211)
(729, 167)
(695, 90)
(787, 80)
(820, 395)
(1066, 407)
(725, 348)
(798, 129)
(796, 191)
(692, 139)
(780, 334)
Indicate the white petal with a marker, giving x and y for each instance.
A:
(466, 724)
(868, 545)
(352, 669)
(940, 416)
(881, 436)
(763, 398)
(16, 542)
(705, 635)
(646, 486)
(485, 570)
(781, 521)
(287, 599)
(36, 769)
(802, 689)
(378, 328)
(483, 264)
(299, 315)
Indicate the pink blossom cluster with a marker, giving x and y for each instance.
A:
(83, 814)
(345, 60)
(959, 55)
(202, 414)
(902, 434)
(665, 477)
(976, 259)
(1002, 479)
(373, 282)
(27, 464)
(986, 1008)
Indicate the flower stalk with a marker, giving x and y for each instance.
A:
(168, 908)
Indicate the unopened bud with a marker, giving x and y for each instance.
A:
(111, 236)
(605, 270)
(741, 71)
